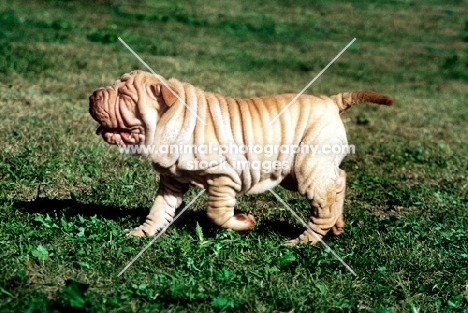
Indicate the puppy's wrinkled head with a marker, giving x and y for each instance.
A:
(129, 110)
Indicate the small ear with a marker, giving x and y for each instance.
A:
(169, 94)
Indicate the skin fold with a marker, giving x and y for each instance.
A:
(144, 109)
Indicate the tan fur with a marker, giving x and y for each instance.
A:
(347, 99)
(149, 113)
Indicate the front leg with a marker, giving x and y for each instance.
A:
(168, 199)
(221, 202)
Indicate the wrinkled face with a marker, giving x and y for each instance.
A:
(118, 116)
(128, 109)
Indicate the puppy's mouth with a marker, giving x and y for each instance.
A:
(117, 136)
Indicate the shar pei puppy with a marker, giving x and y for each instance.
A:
(230, 146)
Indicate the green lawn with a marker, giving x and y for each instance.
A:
(66, 197)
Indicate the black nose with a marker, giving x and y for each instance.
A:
(93, 100)
(96, 95)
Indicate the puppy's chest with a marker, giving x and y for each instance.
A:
(195, 178)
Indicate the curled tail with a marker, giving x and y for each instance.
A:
(347, 99)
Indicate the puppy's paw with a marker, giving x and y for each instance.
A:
(338, 228)
(291, 243)
(247, 220)
(141, 231)
(240, 222)
(308, 236)
(305, 237)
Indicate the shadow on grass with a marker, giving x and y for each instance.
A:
(281, 227)
(263, 228)
(71, 207)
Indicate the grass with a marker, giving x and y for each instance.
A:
(66, 197)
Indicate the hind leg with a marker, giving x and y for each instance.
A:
(339, 201)
(327, 211)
